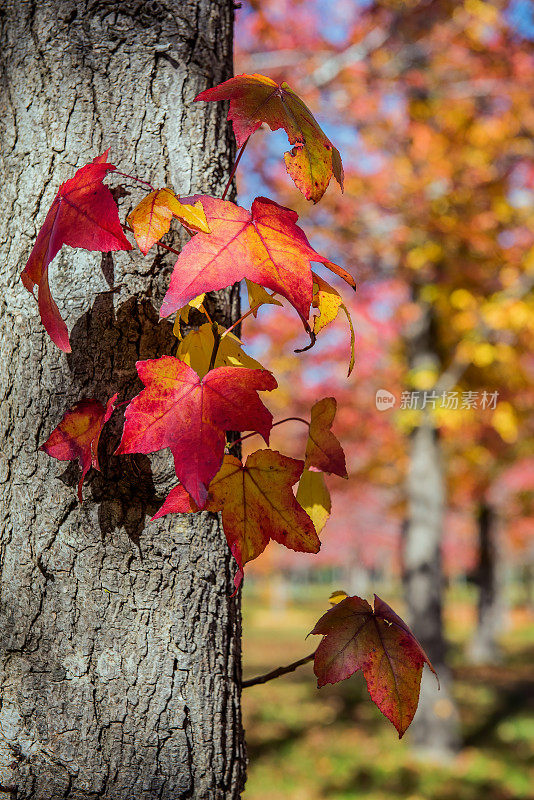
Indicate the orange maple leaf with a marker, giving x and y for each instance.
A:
(255, 99)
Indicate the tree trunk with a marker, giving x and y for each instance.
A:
(434, 730)
(484, 647)
(119, 644)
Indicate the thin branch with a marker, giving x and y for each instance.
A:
(280, 422)
(169, 249)
(133, 178)
(160, 244)
(276, 673)
(206, 312)
(331, 67)
(247, 314)
(216, 342)
(276, 59)
(238, 159)
(240, 320)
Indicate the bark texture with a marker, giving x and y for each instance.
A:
(119, 643)
(434, 729)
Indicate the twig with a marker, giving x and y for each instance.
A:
(276, 673)
(238, 159)
(247, 314)
(133, 178)
(206, 312)
(330, 69)
(160, 244)
(216, 341)
(280, 422)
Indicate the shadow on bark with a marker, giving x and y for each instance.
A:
(106, 343)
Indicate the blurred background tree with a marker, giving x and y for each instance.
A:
(431, 105)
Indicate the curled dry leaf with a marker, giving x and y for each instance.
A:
(78, 434)
(328, 301)
(381, 645)
(323, 450)
(151, 218)
(190, 415)
(85, 215)
(255, 99)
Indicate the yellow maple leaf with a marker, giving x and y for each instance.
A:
(151, 218)
(328, 301)
(196, 349)
(314, 497)
(183, 314)
(258, 296)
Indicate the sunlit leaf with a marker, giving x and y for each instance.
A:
(314, 497)
(255, 99)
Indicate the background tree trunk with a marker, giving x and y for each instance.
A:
(484, 646)
(119, 644)
(434, 729)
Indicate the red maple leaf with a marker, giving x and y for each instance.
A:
(78, 434)
(264, 245)
(190, 416)
(83, 214)
(381, 645)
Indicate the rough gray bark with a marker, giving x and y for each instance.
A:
(434, 729)
(484, 646)
(119, 644)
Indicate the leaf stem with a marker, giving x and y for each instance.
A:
(216, 341)
(205, 311)
(238, 159)
(311, 334)
(160, 244)
(133, 178)
(280, 422)
(276, 673)
(247, 314)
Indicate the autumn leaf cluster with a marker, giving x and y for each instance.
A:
(193, 401)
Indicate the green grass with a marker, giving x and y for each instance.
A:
(333, 744)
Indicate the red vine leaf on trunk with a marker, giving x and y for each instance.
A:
(264, 245)
(85, 215)
(257, 504)
(381, 645)
(255, 99)
(78, 434)
(178, 501)
(190, 415)
(102, 158)
(323, 450)
(151, 218)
